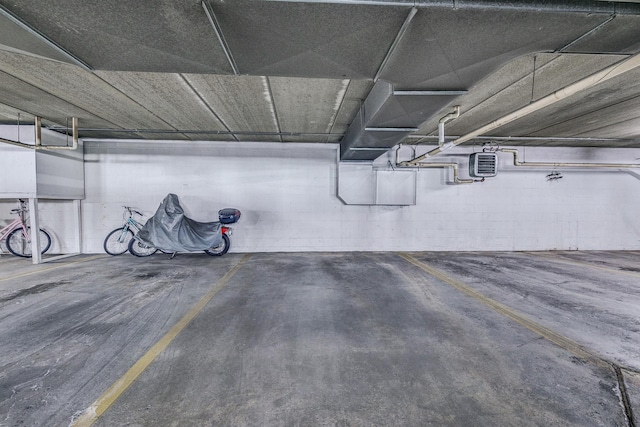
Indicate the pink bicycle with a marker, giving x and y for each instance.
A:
(18, 239)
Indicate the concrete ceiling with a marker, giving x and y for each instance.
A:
(291, 71)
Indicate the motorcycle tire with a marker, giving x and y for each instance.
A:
(221, 249)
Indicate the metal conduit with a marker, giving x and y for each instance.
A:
(530, 138)
(517, 162)
(205, 132)
(604, 75)
(601, 7)
(454, 166)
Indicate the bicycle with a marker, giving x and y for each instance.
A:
(17, 236)
(117, 241)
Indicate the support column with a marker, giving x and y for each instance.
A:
(36, 256)
(78, 214)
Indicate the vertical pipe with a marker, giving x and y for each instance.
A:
(38, 130)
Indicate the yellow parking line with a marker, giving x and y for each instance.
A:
(93, 412)
(517, 317)
(583, 264)
(29, 273)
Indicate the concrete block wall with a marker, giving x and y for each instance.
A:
(288, 197)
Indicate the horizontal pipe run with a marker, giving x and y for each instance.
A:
(598, 7)
(204, 132)
(430, 92)
(517, 162)
(531, 138)
(454, 166)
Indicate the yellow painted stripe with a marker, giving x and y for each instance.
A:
(93, 412)
(29, 273)
(583, 264)
(549, 334)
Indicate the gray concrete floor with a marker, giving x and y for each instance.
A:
(324, 339)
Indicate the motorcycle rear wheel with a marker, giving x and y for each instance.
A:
(138, 248)
(221, 249)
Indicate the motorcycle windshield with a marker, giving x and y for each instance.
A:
(171, 230)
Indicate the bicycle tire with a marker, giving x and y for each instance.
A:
(117, 241)
(19, 246)
(139, 249)
(221, 249)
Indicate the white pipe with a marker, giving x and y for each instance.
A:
(38, 138)
(445, 119)
(602, 76)
(517, 162)
(454, 166)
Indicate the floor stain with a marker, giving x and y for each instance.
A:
(37, 289)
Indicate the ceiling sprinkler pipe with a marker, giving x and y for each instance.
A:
(517, 162)
(595, 79)
(445, 119)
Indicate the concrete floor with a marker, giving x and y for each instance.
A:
(341, 339)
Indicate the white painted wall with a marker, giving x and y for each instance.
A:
(287, 195)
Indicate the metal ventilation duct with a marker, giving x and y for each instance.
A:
(388, 116)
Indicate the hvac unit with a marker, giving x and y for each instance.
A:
(483, 164)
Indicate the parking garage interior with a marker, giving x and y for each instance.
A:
(438, 212)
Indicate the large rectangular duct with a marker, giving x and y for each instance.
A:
(387, 117)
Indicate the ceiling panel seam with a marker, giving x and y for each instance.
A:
(609, 124)
(336, 113)
(211, 16)
(54, 96)
(522, 79)
(27, 27)
(135, 102)
(274, 110)
(587, 34)
(204, 101)
(401, 32)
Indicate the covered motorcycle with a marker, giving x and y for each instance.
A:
(170, 230)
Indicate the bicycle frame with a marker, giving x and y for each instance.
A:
(16, 223)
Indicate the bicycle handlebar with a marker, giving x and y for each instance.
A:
(131, 210)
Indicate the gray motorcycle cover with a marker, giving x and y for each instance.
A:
(170, 230)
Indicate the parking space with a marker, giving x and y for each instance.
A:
(320, 339)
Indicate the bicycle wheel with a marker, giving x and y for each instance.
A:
(138, 248)
(222, 248)
(19, 245)
(117, 242)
